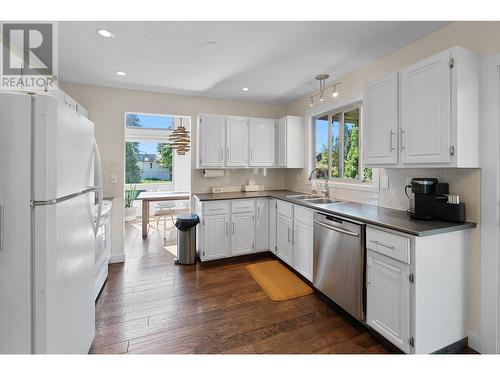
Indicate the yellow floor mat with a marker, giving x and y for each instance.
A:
(278, 281)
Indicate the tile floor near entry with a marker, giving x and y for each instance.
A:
(150, 305)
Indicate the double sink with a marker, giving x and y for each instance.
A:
(313, 199)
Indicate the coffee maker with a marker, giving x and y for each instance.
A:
(432, 201)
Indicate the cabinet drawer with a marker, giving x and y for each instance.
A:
(285, 209)
(242, 205)
(392, 245)
(303, 215)
(216, 208)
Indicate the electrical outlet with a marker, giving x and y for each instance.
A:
(113, 179)
(384, 182)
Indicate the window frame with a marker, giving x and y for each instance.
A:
(331, 108)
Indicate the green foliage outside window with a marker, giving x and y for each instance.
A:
(132, 170)
(165, 152)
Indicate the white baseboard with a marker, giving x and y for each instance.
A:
(117, 258)
(474, 342)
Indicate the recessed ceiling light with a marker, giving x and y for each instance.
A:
(211, 45)
(105, 33)
(244, 89)
(121, 74)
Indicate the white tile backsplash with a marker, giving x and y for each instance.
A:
(464, 182)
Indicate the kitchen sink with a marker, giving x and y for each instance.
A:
(303, 196)
(321, 200)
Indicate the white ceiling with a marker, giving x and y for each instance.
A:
(277, 61)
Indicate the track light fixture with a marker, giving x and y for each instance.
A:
(322, 88)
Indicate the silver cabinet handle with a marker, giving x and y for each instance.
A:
(391, 145)
(402, 132)
(2, 227)
(226, 228)
(233, 228)
(288, 234)
(221, 153)
(382, 244)
(227, 153)
(215, 209)
(251, 154)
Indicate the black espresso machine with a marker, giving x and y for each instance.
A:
(432, 201)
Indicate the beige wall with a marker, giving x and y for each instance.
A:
(484, 38)
(107, 107)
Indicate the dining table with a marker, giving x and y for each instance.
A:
(156, 196)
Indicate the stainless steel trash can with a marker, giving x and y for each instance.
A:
(186, 238)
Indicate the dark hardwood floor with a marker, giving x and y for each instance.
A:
(150, 305)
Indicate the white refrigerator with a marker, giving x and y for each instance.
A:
(47, 225)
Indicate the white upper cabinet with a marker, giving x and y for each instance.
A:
(282, 144)
(380, 121)
(425, 134)
(236, 141)
(211, 130)
(430, 118)
(262, 140)
(291, 139)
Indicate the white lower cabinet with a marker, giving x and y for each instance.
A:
(272, 225)
(215, 237)
(262, 225)
(303, 249)
(388, 298)
(284, 243)
(416, 288)
(242, 233)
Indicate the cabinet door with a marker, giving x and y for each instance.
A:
(212, 135)
(242, 233)
(282, 142)
(303, 249)
(215, 241)
(236, 142)
(284, 233)
(262, 225)
(388, 298)
(272, 225)
(261, 142)
(425, 111)
(380, 121)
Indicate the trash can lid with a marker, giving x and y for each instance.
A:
(186, 221)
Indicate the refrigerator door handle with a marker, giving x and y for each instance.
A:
(99, 186)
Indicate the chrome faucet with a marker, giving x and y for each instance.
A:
(324, 173)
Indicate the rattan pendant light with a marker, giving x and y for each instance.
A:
(179, 140)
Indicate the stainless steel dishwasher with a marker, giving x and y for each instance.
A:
(338, 261)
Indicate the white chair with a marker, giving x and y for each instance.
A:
(164, 209)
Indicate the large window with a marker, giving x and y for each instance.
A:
(148, 156)
(337, 147)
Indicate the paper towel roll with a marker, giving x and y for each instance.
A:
(208, 173)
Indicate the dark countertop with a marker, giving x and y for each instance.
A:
(385, 217)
